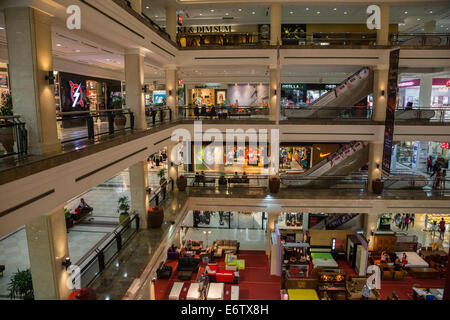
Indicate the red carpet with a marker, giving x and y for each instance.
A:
(255, 282)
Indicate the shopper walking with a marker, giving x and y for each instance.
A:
(442, 229)
(407, 221)
(430, 165)
(434, 228)
(438, 179)
(402, 223)
(411, 219)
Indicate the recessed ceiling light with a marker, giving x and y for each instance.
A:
(431, 11)
(334, 9)
(147, 7)
(318, 12)
(227, 14)
(156, 16)
(77, 50)
(307, 9)
(406, 12)
(292, 12)
(345, 12)
(239, 10)
(253, 12)
(2, 28)
(201, 14)
(212, 10)
(418, 19)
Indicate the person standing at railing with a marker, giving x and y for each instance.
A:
(438, 179)
(430, 165)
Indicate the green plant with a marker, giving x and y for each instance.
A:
(67, 214)
(21, 285)
(6, 108)
(123, 205)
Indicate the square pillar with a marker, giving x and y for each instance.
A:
(275, 24)
(275, 95)
(370, 225)
(375, 158)
(171, 91)
(138, 190)
(272, 218)
(171, 22)
(383, 32)
(48, 249)
(426, 89)
(134, 80)
(380, 80)
(28, 33)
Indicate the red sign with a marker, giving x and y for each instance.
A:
(76, 94)
(441, 82)
(448, 83)
(409, 83)
(180, 20)
(180, 82)
(444, 145)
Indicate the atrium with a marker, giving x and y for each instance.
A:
(224, 150)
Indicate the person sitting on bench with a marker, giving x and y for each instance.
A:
(83, 206)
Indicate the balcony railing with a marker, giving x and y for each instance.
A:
(223, 113)
(226, 181)
(157, 115)
(441, 114)
(13, 137)
(327, 113)
(81, 125)
(420, 39)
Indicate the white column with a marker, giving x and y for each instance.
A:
(429, 27)
(171, 22)
(48, 249)
(134, 80)
(275, 24)
(272, 218)
(171, 165)
(305, 221)
(171, 91)
(375, 159)
(383, 32)
(275, 94)
(138, 190)
(370, 225)
(28, 33)
(426, 89)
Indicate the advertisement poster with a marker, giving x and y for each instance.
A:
(249, 94)
(392, 91)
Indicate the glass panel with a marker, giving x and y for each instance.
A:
(90, 273)
(110, 250)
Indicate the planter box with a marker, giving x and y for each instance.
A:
(120, 121)
(377, 186)
(155, 217)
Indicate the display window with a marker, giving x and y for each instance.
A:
(236, 159)
(203, 96)
(295, 158)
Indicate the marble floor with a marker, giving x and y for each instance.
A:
(83, 237)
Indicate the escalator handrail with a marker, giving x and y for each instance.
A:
(343, 82)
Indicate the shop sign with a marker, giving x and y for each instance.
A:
(445, 82)
(448, 83)
(409, 83)
(204, 29)
(293, 86)
(444, 145)
(180, 20)
(76, 94)
(180, 82)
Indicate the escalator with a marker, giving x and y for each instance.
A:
(347, 94)
(350, 158)
(350, 221)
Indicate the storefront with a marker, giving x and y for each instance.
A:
(296, 95)
(203, 96)
(80, 93)
(414, 154)
(254, 95)
(4, 80)
(409, 92)
(248, 158)
(226, 220)
(298, 157)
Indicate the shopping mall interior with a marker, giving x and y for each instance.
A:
(224, 150)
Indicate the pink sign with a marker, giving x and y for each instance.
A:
(441, 82)
(409, 83)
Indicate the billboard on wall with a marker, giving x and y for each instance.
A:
(249, 94)
(392, 91)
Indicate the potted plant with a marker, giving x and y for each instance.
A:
(182, 183)
(274, 184)
(69, 219)
(21, 285)
(162, 176)
(7, 132)
(222, 180)
(119, 118)
(377, 186)
(123, 208)
(155, 217)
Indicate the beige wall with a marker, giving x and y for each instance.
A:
(345, 28)
(324, 237)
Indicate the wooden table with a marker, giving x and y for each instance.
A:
(424, 273)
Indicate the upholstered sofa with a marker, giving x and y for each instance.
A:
(215, 274)
(354, 288)
(173, 253)
(188, 264)
(164, 272)
(220, 246)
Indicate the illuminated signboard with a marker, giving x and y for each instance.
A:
(447, 84)
(76, 94)
(180, 82)
(444, 145)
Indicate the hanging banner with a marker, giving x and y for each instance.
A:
(392, 91)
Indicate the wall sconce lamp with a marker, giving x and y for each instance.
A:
(170, 92)
(276, 92)
(382, 93)
(50, 77)
(67, 263)
(372, 233)
(149, 190)
(378, 166)
(145, 88)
